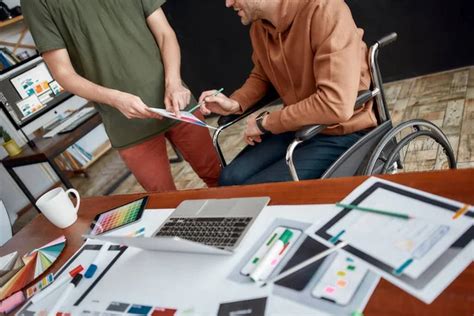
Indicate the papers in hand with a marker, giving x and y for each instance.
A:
(187, 117)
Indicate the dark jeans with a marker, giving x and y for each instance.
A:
(265, 162)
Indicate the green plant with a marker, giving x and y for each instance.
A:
(4, 134)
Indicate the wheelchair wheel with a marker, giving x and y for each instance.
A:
(416, 145)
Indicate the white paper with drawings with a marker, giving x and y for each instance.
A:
(416, 247)
(186, 117)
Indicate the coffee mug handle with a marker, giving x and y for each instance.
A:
(78, 198)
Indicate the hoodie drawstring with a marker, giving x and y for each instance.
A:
(286, 66)
(285, 62)
(270, 61)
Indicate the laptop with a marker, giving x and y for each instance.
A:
(211, 226)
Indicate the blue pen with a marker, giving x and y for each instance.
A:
(96, 263)
(139, 232)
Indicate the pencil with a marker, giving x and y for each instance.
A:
(372, 210)
(461, 211)
(201, 103)
(306, 263)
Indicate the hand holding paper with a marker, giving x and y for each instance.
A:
(177, 97)
(185, 117)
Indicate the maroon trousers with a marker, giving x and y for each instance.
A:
(148, 161)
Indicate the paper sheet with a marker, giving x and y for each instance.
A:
(418, 248)
(187, 117)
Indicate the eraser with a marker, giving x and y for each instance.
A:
(12, 302)
(90, 271)
(76, 270)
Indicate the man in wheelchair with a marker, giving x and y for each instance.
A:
(313, 54)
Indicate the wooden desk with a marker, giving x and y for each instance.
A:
(457, 299)
(46, 150)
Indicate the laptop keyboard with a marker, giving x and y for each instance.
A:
(218, 232)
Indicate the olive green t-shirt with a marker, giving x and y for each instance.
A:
(110, 44)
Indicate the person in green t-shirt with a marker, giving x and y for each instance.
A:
(124, 56)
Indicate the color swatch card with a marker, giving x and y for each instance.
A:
(121, 308)
(84, 256)
(34, 264)
(118, 217)
(187, 117)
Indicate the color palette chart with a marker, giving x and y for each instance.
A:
(117, 217)
(120, 308)
(38, 287)
(35, 263)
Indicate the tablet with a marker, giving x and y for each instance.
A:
(118, 217)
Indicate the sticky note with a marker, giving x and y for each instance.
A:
(341, 283)
(329, 289)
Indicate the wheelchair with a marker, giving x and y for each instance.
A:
(382, 150)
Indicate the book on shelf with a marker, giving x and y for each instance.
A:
(84, 152)
(8, 58)
(71, 161)
(81, 159)
(64, 162)
(75, 158)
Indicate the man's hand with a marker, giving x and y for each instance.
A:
(219, 104)
(252, 133)
(132, 106)
(177, 97)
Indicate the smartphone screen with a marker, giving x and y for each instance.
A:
(118, 217)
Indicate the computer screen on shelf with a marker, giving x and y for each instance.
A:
(31, 92)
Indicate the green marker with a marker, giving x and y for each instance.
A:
(201, 103)
(272, 257)
(375, 211)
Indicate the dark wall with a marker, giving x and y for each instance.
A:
(434, 35)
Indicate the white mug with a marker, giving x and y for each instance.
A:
(58, 208)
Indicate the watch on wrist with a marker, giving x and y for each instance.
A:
(259, 121)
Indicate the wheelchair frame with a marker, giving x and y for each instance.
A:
(378, 151)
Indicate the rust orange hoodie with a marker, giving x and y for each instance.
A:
(316, 60)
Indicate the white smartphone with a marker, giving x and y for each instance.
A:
(341, 280)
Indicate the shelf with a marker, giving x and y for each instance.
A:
(11, 21)
(22, 34)
(75, 165)
(97, 154)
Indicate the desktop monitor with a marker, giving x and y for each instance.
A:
(30, 93)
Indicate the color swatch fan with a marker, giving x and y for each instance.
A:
(35, 263)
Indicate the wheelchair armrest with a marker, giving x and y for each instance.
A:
(309, 132)
(362, 98)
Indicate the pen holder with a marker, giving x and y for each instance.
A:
(241, 272)
(12, 148)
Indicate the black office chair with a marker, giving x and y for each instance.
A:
(381, 150)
